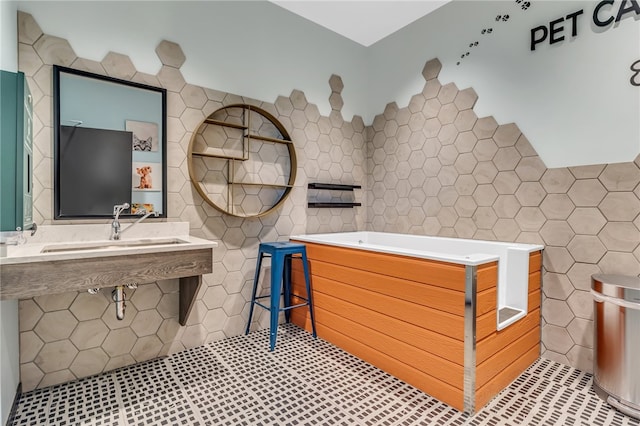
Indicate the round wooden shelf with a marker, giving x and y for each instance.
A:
(242, 161)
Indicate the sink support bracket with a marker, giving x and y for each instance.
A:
(189, 287)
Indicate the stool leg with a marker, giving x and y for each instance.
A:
(276, 289)
(255, 289)
(287, 286)
(307, 281)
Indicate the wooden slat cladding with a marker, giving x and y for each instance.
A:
(489, 369)
(535, 262)
(486, 301)
(534, 281)
(443, 299)
(430, 341)
(431, 319)
(406, 316)
(485, 325)
(440, 274)
(506, 376)
(502, 355)
(436, 367)
(487, 276)
(534, 300)
(498, 340)
(427, 295)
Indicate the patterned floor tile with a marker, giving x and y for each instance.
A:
(33, 408)
(305, 381)
(166, 408)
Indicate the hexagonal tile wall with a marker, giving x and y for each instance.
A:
(588, 217)
(82, 327)
(432, 167)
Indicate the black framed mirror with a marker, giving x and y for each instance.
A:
(110, 146)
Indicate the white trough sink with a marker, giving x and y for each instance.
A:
(111, 245)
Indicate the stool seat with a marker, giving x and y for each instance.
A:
(282, 247)
(281, 253)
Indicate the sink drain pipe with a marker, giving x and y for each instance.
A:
(118, 296)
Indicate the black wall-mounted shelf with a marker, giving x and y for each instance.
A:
(333, 205)
(332, 187)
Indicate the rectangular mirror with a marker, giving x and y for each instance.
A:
(110, 145)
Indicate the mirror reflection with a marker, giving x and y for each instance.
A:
(110, 146)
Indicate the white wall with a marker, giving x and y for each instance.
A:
(572, 99)
(9, 344)
(254, 49)
(8, 36)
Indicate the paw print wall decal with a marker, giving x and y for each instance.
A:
(500, 19)
(471, 45)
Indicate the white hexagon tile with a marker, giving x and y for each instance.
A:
(432, 167)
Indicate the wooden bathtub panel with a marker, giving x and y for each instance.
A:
(424, 294)
(485, 329)
(534, 301)
(491, 367)
(486, 301)
(426, 340)
(485, 325)
(535, 261)
(502, 355)
(534, 281)
(445, 371)
(301, 318)
(434, 387)
(332, 284)
(497, 341)
(437, 321)
(441, 274)
(506, 376)
(487, 276)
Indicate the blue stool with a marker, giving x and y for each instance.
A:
(281, 253)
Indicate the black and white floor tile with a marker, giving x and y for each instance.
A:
(237, 381)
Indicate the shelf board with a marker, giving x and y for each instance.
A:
(270, 185)
(268, 139)
(225, 124)
(224, 157)
(333, 186)
(333, 205)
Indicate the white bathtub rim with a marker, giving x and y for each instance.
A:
(471, 259)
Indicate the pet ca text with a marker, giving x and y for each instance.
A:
(604, 14)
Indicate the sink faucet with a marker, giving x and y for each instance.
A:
(115, 225)
(116, 232)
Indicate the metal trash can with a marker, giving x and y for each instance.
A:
(616, 361)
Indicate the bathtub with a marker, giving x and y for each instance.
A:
(457, 318)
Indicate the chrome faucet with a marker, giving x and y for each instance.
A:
(115, 225)
(116, 232)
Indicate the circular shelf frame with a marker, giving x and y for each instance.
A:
(247, 136)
